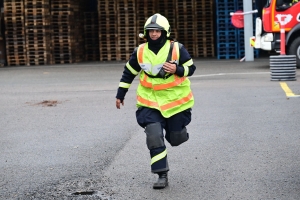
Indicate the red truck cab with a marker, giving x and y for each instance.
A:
(275, 14)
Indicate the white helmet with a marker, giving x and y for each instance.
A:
(157, 21)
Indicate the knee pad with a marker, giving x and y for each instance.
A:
(178, 137)
(154, 135)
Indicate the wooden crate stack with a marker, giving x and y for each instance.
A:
(78, 7)
(15, 32)
(144, 10)
(60, 31)
(168, 11)
(108, 30)
(204, 29)
(67, 35)
(185, 24)
(37, 22)
(91, 37)
(127, 33)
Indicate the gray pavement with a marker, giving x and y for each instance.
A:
(61, 135)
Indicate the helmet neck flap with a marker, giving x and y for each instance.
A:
(156, 45)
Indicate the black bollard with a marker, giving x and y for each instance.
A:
(283, 68)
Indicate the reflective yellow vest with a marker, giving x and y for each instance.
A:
(170, 95)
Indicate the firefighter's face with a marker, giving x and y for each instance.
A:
(154, 34)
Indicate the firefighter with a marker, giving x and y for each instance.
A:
(293, 2)
(284, 4)
(164, 96)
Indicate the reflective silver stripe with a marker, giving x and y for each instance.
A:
(124, 85)
(133, 71)
(159, 156)
(156, 68)
(146, 67)
(188, 63)
(186, 66)
(186, 70)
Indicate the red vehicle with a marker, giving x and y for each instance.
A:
(275, 14)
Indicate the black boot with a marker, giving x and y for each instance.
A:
(162, 181)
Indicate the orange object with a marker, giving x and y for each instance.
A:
(282, 39)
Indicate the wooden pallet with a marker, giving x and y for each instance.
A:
(91, 38)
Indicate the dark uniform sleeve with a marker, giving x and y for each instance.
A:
(186, 65)
(131, 70)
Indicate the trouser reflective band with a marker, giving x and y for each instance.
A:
(159, 156)
(159, 160)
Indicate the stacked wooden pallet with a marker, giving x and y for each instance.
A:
(144, 9)
(15, 32)
(120, 23)
(37, 22)
(127, 33)
(62, 29)
(204, 29)
(91, 37)
(185, 24)
(67, 36)
(108, 30)
(78, 46)
(166, 10)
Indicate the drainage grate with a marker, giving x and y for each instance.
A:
(91, 194)
(84, 193)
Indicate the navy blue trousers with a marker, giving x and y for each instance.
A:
(176, 122)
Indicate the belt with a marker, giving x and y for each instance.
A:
(158, 76)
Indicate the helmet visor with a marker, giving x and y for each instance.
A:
(154, 26)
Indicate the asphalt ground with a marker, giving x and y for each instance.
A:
(61, 136)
